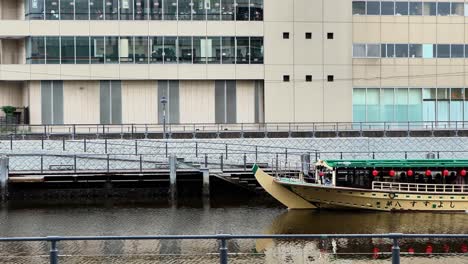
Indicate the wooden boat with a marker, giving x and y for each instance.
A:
(382, 185)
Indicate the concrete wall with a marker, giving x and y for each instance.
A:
(11, 94)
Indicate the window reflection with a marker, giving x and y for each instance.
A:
(67, 50)
(242, 10)
(96, 9)
(213, 9)
(126, 9)
(111, 9)
(67, 9)
(52, 9)
(156, 9)
(140, 8)
(157, 49)
(52, 50)
(228, 10)
(170, 50)
(81, 9)
(170, 9)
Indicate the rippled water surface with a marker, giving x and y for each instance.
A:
(239, 217)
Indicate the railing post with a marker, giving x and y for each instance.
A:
(226, 151)
(136, 147)
(206, 160)
(196, 149)
(286, 155)
(108, 163)
(245, 162)
(256, 153)
(84, 145)
(53, 252)
(373, 155)
(141, 163)
(11, 142)
(42, 142)
(105, 145)
(42, 164)
(63, 143)
(166, 150)
(316, 156)
(74, 163)
(223, 252)
(395, 249)
(74, 132)
(406, 154)
(222, 162)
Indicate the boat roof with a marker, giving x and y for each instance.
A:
(409, 163)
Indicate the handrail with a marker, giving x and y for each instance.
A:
(419, 187)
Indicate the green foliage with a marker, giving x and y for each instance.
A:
(8, 110)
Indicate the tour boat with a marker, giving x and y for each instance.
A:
(382, 185)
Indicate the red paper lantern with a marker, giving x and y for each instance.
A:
(375, 173)
(321, 174)
(410, 173)
(463, 173)
(428, 173)
(445, 173)
(391, 173)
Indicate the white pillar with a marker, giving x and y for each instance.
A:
(173, 176)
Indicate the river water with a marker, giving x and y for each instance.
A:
(234, 217)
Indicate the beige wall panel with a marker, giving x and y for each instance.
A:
(273, 11)
(105, 72)
(245, 95)
(10, 9)
(74, 28)
(134, 71)
(394, 33)
(44, 28)
(163, 28)
(35, 114)
(451, 33)
(277, 49)
(197, 101)
(308, 51)
(163, 72)
(192, 72)
(25, 94)
(221, 72)
(394, 19)
(75, 72)
(279, 102)
(338, 50)
(274, 73)
(11, 50)
(11, 94)
(422, 33)
(308, 102)
(250, 72)
(308, 11)
(222, 28)
(191, 28)
(103, 28)
(246, 28)
(300, 72)
(134, 28)
(366, 76)
(45, 72)
(15, 72)
(450, 76)
(337, 10)
(81, 102)
(337, 95)
(139, 102)
(422, 76)
(366, 33)
(394, 75)
(14, 28)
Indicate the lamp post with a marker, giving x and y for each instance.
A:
(164, 102)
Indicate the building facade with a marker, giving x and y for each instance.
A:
(234, 61)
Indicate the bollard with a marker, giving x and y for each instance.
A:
(245, 162)
(206, 160)
(395, 252)
(4, 177)
(226, 151)
(222, 162)
(223, 252)
(105, 145)
(53, 252)
(136, 147)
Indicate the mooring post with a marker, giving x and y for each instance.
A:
(223, 252)
(395, 248)
(173, 176)
(4, 177)
(206, 181)
(53, 251)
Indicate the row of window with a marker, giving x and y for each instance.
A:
(410, 104)
(226, 10)
(402, 8)
(167, 50)
(426, 51)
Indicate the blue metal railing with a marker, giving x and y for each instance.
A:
(223, 238)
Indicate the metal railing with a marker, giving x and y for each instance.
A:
(419, 187)
(218, 129)
(223, 250)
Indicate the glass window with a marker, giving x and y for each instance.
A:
(456, 111)
(229, 50)
(256, 50)
(401, 50)
(359, 7)
(415, 8)
(170, 50)
(256, 10)
(37, 50)
(383, 50)
(96, 9)
(110, 102)
(456, 94)
(112, 49)
(185, 9)
(373, 50)
(373, 105)
(443, 51)
(242, 11)
(430, 8)
(359, 105)
(457, 51)
(68, 50)
(373, 8)
(81, 9)
(428, 51)
(228, 10)
(242, 50)
(82, 50)
(157, 49)
(442, 94)
(415, 51)
(359, 50)
(155, 9)
(199, 50)
(170, 9)
(52, 9)
(401, 105)
(36, 10)
(67, 9)
(52, 50)
(429, 106)
(126, 9)
(97, 50)
(214, 9)
(140, 8)
(213, 50)
(401, 8)
(443, 8)
(126, 50)
(185, 50)
(388, 108)
(141, 49)
(388, 8)
(415, 105)
(199, 9)
(112, 9)
(466, 14)
(390, 50)
(466, 51)
(458, 9)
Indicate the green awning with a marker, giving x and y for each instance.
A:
(421, 163)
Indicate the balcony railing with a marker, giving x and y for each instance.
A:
(420, 188)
